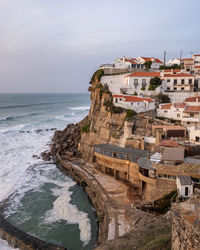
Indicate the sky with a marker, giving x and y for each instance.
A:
(54, 46)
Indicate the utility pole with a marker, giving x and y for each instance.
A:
(181, 57)
(164, 58)
(181, 54)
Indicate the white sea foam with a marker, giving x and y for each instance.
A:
(80, 108)
(64, 210)
(4, 245)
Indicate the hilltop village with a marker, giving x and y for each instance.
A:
(137, 153)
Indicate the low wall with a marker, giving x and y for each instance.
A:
(19, 239)
(95, 192)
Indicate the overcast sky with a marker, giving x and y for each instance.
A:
(55, 45)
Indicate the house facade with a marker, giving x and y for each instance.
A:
(138, 104)
(156, 63)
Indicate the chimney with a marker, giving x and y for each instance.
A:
(123, 58)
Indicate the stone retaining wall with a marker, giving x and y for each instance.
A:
(19, 239)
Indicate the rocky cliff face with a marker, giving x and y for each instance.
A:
(105, 123)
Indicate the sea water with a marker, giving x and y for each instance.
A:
(43, 202)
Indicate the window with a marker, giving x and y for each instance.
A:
(175, 81)
(191, 115)
(190, 81)
(131, 103)
(143, 83)
(168, 88)
(168, 80)
(175, 88)
(135, 83)
(197, 139)
(186, 191)
(178, 115)
(182, 88)
(165, 111)
(182, 81)
(188, 122)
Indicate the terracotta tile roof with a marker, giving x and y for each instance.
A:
(197, 66)
(193, 99)
(192, 108)
(173, 70)
(178, 75)
(187, 59)
(129, 98)
(147, 59)
(118, 96)
(179, 105)
(158, 60)
(137, 99)
(166, 106)
(144, 74)
(196, 55)
(169, 143)
(169, 127)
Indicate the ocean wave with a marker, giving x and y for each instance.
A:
(81, 108)
(64, 210)
(11, 118)
(24, 105)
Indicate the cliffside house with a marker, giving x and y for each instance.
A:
(168, 132)
(140, 80)
(178, 81)
(156, 63)
(128, 63)
(184, 186)
(138, 104)
(153, 181)
(187, 112)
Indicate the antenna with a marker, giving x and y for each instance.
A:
(164, 58)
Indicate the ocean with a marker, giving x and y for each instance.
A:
(44, 202)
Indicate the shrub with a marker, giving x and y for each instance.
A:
(163, 98)
(135, 93)
(143, 88)
(156, 81)
(148, 64)
(152, 87)
(97, 75)
(86, 127)
(130, 113)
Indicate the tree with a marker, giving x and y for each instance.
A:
(163, 98)
(156, 81)
(147, 64)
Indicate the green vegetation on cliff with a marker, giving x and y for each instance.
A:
(97, 75)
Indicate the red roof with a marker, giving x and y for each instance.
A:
(193, 99)
(166, 106)
(118, 96)
(144, 74)
(187, 59)
(129, 98)
(169, 143)
(193, 108)
(179, 105)
(172, 70)
(178, 75)
(197, 67)
(196, 55)
(137, 99)
(158, 60)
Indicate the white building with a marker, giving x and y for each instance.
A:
(184, 185)
(187, 112)
(156, 63)
(173, 61)
(177, 80)
(138, 104)
(128, 63)
(140, 80)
